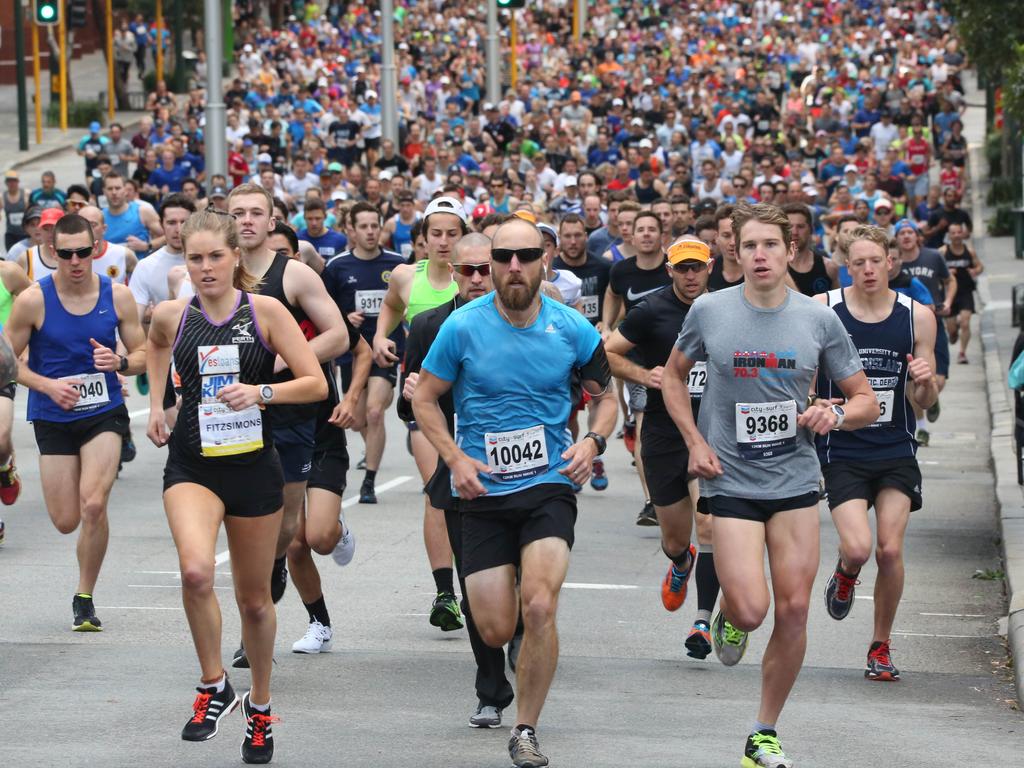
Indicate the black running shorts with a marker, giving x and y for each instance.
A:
(66, 438)
(295, 444)
(495, 530)
(246, 490)
(330, 460)
(9, 390)
(849, 480)
(666, 475)
(759, 510)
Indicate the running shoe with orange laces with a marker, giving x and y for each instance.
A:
(258, 744)
(629, 436)
(673, 586)
(880, 666)
(10, 484)
(839, 592)
(698, 642)
(207, 711)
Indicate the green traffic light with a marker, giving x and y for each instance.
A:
(47, 12)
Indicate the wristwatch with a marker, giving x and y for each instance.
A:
(840, 416)
(266, 393)
(599, 441)
(124, 364)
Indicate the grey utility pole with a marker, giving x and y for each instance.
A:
(215, 131)
(493, 53)
(388, 83)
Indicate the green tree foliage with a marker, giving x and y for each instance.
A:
(992, 33)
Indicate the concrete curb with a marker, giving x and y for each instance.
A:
(1009, 495)
(36, 153)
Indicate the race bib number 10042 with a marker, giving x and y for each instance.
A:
(516, 455)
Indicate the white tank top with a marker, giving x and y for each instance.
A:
(37, 270)
(113, 263)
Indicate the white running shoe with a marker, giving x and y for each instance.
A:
(345, 549)
(316, 640)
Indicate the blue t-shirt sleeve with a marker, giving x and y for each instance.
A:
(444, 358)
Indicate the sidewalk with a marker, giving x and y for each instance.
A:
(1002, 272)
(88, 76)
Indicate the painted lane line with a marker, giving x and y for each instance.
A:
(584, 585)
(929, 634)
(165, 586)
(957, 615)
(140, 412)
(223, 557)
(139, 608)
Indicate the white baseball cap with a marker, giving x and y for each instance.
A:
(445, 204)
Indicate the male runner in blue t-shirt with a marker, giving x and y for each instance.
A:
(507, 358)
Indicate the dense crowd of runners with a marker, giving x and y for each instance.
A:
(738, 225)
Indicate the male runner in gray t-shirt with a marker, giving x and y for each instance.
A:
(754, 450)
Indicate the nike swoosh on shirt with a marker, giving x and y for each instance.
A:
(637, 296)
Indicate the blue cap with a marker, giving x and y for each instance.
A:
(904, 224)
(95, 127)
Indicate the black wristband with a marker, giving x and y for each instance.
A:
(599, 441)
(124, 364)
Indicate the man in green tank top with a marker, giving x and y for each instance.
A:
(13, 281)
(415, 288)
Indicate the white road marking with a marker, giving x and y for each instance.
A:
(163, 586)
(223, 557)
(582, 585)
(957, 615)
(140, 412)
(928, 634)
(140, 608)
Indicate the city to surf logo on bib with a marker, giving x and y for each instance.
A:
(747, 364)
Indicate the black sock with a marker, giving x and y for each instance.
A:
(279, 563)
(317, 611)
(681, 561)
(521, 727)
(444, 580)
(707, 581)
(369, 477)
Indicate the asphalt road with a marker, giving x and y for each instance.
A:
(396, 691)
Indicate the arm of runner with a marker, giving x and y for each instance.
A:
(416, 347)
(131, 335)
(307, 290)
(623, 368)
(284, 336)
(703, 461)
(27, 314)
(611, 309)
(860, 408)
(15, 280)
(162, 330)
(921, 365)
(976, 267)
(308, 255)
(152, 222)
(345, 412)
(597, 377)
(947, 302)
(833, 272)
(432, 424)
(391, 313)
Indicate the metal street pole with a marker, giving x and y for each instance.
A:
(39, 85)
(581, 14)
(159, 40)
(513, 44)
(216, 123)
(19, 55)
(493, 53)
(62, 48)
(111, 88)
(388, 85)
(178, 78)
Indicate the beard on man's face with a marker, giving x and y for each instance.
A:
(517, 291)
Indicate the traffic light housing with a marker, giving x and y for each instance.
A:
(78, 10)
(46, 12)
(502, 4)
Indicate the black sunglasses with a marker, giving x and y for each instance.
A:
(468, 270)
(525, 255)
(688, 266)
(69, 253)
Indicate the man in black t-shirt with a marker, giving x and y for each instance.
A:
(651, 329)
(345, 132)
(938, 223)
(591, 270)
(629, 282)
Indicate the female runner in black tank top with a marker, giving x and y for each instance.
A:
(222, 466)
